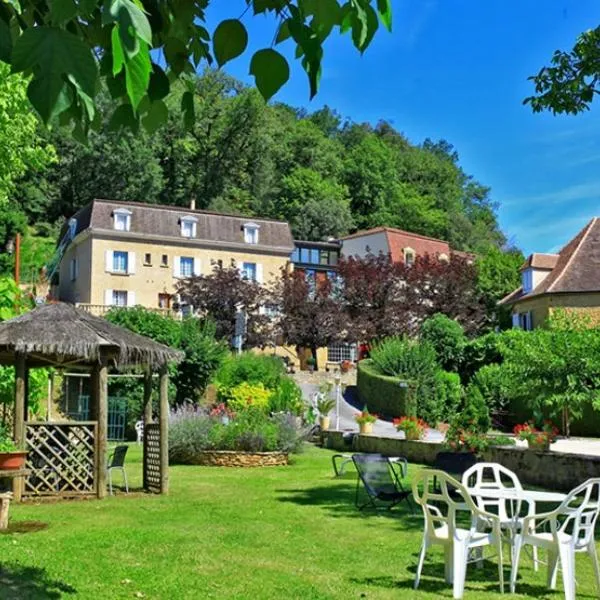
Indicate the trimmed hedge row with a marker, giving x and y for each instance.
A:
(382, 394)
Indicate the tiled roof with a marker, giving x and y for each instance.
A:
(164, 221)
(392, 230)
(537, 260)
(576, 269)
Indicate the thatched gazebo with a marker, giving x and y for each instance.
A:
(69, 458)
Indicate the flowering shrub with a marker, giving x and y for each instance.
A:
(245, 395)
(193, 430)
(365, 417)
(536, 438)
(413, 427)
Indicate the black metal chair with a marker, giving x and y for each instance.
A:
(117, 461)
(454, 463)
(381, 477)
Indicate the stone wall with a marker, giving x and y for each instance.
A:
(553, 470)
(227, 458)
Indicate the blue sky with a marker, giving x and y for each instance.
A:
(457, 69)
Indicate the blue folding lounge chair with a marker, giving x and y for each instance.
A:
(380, 476)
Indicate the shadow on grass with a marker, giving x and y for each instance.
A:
(339, 500)
(24, 527)
(18, 582)
(432, 581)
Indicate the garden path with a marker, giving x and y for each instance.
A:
(350, 406)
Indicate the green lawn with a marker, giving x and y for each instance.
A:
(286, 532)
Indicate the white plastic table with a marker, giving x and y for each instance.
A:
(532, 497)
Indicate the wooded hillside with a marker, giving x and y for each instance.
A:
(323, 173)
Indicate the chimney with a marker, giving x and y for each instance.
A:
(193, 203)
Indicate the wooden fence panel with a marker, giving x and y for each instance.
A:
(152, 457)
(61, 458)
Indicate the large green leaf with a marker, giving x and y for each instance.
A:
(5, 42)
(270, 70)
(384, 8)
(137, 75)
(156, 116)
(159, 84)
(62, 11)
(229, 40)
(133, 25)
(54, 55)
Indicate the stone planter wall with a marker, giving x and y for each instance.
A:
(228, 458)
(553, 470)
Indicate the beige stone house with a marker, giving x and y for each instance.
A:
(126, 253)
(569, 280)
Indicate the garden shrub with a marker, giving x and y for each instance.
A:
(448, 395)
(251, 368)
(287, 397)
(382, 393)
(246, 395)
(447, 337)
(470, 424)
(193, 430)
(495, 384)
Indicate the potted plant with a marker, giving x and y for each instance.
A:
(537, 439)
(365, 421)
(311, 363)
(11, 458)
(324, 406)
(413, 427)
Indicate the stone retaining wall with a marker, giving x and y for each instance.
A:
(553, 470)
(229, 458)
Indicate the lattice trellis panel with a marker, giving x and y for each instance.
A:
(62, 458)
(152, 457)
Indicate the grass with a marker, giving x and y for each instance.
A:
(282, 532)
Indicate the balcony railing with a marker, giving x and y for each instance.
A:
(99, 310)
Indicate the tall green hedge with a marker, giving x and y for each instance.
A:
(381, 393)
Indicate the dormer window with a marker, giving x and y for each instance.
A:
(527, 280)
(188, 226)
(409, 256)
(122, 219)
(251, 233)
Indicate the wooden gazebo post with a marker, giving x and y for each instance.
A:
(163, 419)
(147, 396)
(99, 393)
(19, 414)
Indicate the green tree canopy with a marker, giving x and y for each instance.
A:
(22, 147)
(139, 48)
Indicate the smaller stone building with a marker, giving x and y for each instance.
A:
(568, 280)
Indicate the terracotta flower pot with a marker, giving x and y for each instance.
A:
(324, 423)
(365, 428)
(539, 447)
(12, 461)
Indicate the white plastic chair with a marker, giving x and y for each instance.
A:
(442, 529)
(494, 476)
(563, 532)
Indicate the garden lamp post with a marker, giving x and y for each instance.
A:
(338, 388)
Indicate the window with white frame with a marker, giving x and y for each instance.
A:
(122, 219)
(73, 269)
(409, 256)
(188, 226)
(186, 266)
(336, 353)
(120, 262)
(119, 297)
(249, 271)
(251, 233)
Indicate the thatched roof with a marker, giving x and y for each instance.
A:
(59, 333)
